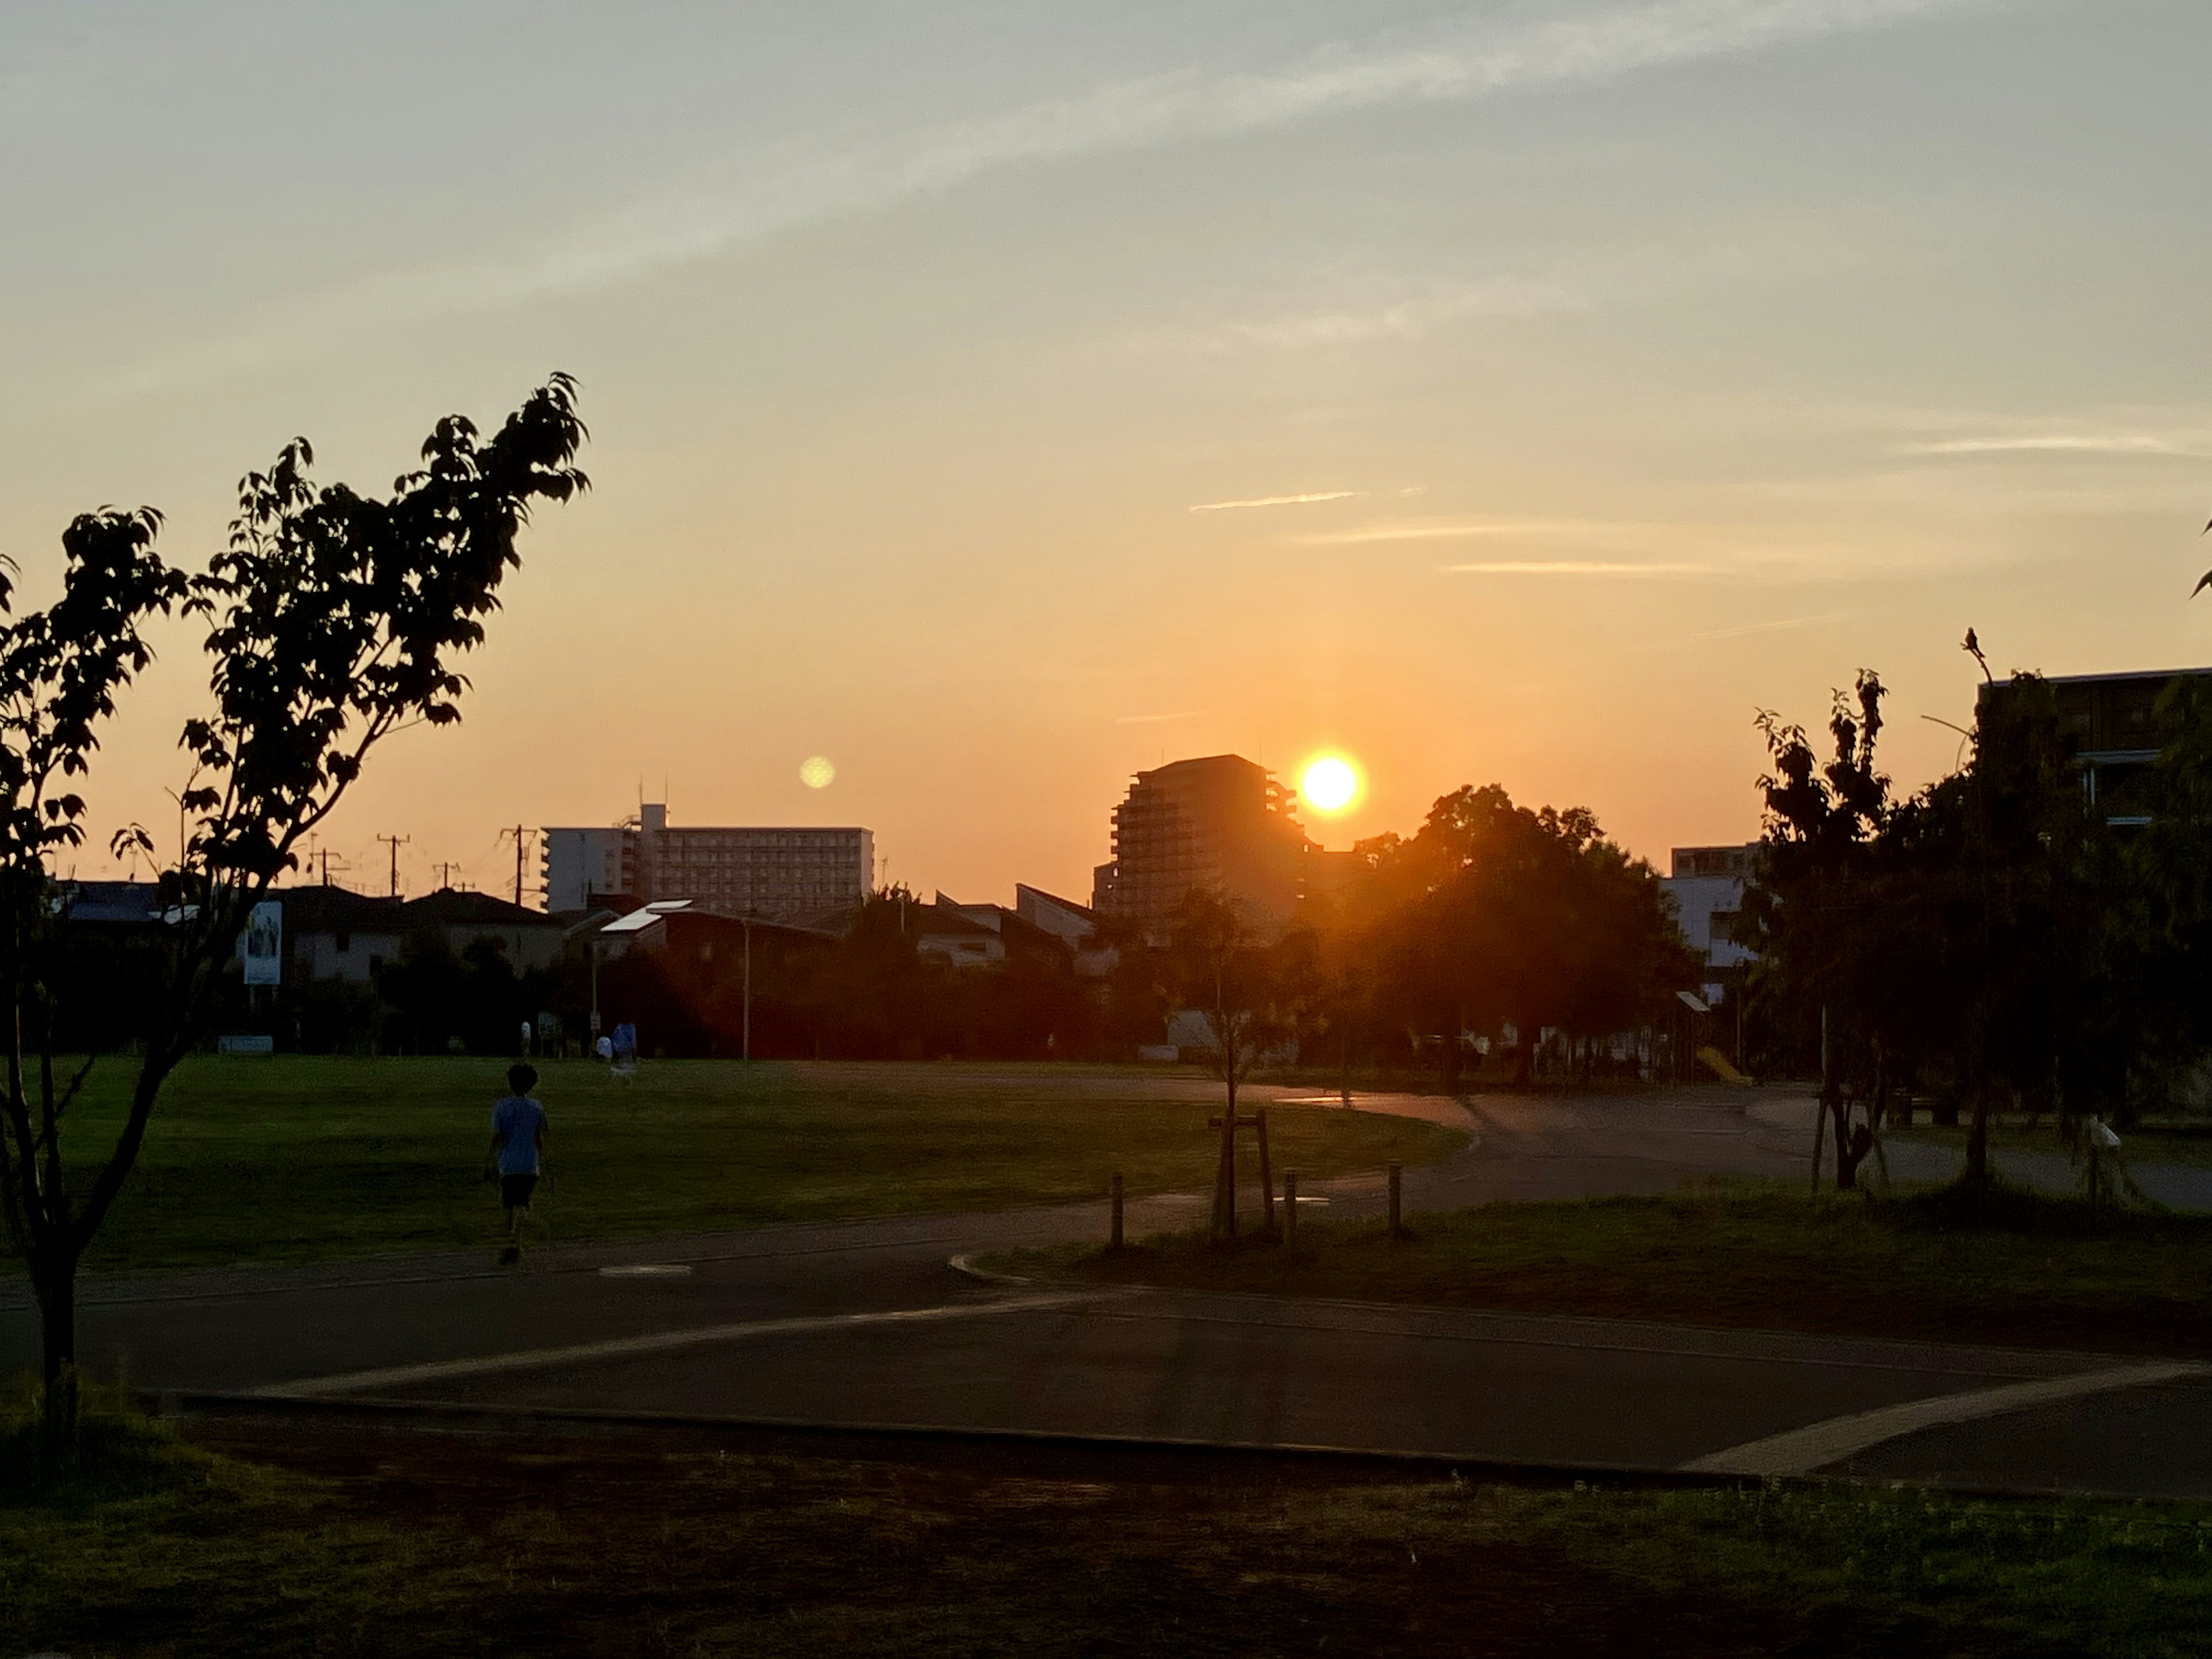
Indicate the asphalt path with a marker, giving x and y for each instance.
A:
(867, 1325)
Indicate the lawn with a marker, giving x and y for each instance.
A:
(2164, 1142)
(292, 1159)
(2010, 1267)
(337, 1539)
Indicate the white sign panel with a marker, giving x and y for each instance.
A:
(264, 944)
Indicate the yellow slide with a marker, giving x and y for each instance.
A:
(1718, 1064)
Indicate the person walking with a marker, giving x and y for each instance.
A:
(518, 1142)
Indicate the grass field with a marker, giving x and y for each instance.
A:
(2166, 1142)
(338, 1539)
(2008, 1269)
(292, 1159)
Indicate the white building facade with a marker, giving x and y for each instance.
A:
(1707, 885)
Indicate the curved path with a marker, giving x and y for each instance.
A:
(865, 1324)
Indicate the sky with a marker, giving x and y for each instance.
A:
(995, 398)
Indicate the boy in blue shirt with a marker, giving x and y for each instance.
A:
(518, 1137)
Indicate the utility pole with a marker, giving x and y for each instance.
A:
(445, 868)
(522, 843)
(395, 843)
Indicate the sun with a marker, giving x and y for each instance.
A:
(1329, 784)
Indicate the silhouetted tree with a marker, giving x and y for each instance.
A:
(1982, 933)
(1250, 993)
(1816, 904)
(1494, 913)
(333, 619)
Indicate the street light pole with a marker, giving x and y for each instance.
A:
(752, 909)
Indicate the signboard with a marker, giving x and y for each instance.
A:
(264, 944)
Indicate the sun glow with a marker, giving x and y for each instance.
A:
(1329, 784)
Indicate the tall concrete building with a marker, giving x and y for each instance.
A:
(2113, 731)
(1220, 822)
(781, 873)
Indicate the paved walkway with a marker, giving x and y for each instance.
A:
(865, 1324)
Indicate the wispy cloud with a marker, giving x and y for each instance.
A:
(2076, 443)
(1475, 57)
(758, 194)
(1782, 625)
(1281, 500)
(1410, 318)
(1572, 567)
(1160, 719)
(1428, 532)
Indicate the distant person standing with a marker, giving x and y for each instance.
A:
(518, 1139)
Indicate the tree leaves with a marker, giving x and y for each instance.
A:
(334, 619)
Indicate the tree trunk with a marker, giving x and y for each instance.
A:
(1977, 1140)
(1977, 1137)
(1832, 1109)
(54, 1283)
(1225, 1171)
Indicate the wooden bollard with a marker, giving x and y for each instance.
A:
(1113, 1235)
(1397, 1211)
(1290, 1210)
(1266, 1182)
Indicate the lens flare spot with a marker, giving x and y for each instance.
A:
(1329, 784)
(816, 772)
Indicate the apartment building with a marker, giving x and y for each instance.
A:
(1707, 886)
(2113, 731)
(782, 872)
(1219, 823)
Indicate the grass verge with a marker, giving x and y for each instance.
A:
(2188, 1143)
(339, 1539)
(2003, 1267)
(293, 1159)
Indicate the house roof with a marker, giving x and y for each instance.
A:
(323, 910)
(450, 906)
(314, 909)
(695, 915)
(112, 900)
(942, 921)
(651, 915)
(1023, 890)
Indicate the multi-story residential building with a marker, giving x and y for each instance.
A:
(784, 872)
(1707, 883)
(1221, 823)
(2113, 731)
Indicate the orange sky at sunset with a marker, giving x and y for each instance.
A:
(1522, 394)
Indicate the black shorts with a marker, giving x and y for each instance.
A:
(515, 1190)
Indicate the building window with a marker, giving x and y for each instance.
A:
(345, 940)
